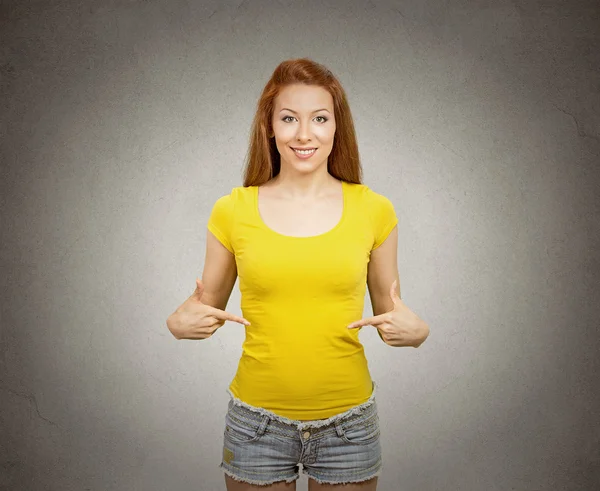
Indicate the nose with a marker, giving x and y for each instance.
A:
(303, 134)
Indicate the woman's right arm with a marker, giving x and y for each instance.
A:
(204, 311)
(219, 273)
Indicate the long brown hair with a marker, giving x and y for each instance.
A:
(263, 161)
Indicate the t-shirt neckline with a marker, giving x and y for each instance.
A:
(328, 232)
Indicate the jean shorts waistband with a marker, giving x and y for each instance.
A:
(257, 413)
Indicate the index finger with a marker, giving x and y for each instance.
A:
(222, 315)
(365, 322)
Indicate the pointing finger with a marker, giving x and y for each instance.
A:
(365, 322)
(221, 314)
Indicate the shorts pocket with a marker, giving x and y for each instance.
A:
(361, 432)
(239, 431)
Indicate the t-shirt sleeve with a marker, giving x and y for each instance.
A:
(220, 222)
(383, 218)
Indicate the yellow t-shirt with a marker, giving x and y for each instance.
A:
(299, 360)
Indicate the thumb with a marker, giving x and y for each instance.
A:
(394, 293)
(199, 289)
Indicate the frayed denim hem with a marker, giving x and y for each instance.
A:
(301, 425)
(350, 481)
(256, 481)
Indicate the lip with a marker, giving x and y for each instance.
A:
(304, 157)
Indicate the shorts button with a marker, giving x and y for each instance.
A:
(306, 434)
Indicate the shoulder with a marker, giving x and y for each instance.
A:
(370, 198)
(224, 206)
(236, 194)
(241, 193)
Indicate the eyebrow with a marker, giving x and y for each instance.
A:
(291, 110)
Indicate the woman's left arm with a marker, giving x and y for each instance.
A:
(396, 324)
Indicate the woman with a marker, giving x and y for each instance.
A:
(305, 238)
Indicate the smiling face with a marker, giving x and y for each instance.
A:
(303, 119)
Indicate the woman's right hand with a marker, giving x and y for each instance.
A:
(196, 320)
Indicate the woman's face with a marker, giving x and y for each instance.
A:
(303, 119)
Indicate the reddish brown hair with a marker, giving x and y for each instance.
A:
(263, 161)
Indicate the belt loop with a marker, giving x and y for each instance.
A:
(263, 425)
(338, 428)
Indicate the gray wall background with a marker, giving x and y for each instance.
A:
(122, 123)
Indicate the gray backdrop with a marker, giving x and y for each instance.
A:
(122, 123)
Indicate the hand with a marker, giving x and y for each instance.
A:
(196, 320)
(398, 327)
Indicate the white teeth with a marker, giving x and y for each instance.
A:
(304, 152)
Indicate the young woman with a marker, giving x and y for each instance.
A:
(305, 238)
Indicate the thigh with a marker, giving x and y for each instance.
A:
(255, 453)
(347, 452)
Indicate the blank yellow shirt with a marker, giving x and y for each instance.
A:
(299, 360)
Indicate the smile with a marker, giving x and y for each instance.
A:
(305, 152)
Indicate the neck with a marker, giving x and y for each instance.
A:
(302, 185)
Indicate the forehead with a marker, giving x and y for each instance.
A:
(307, 97)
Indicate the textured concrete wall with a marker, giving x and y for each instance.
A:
(122, 123)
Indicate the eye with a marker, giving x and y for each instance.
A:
(324, 119)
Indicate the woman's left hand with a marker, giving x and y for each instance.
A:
(398, 327)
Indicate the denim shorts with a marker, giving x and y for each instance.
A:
(260, 447)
